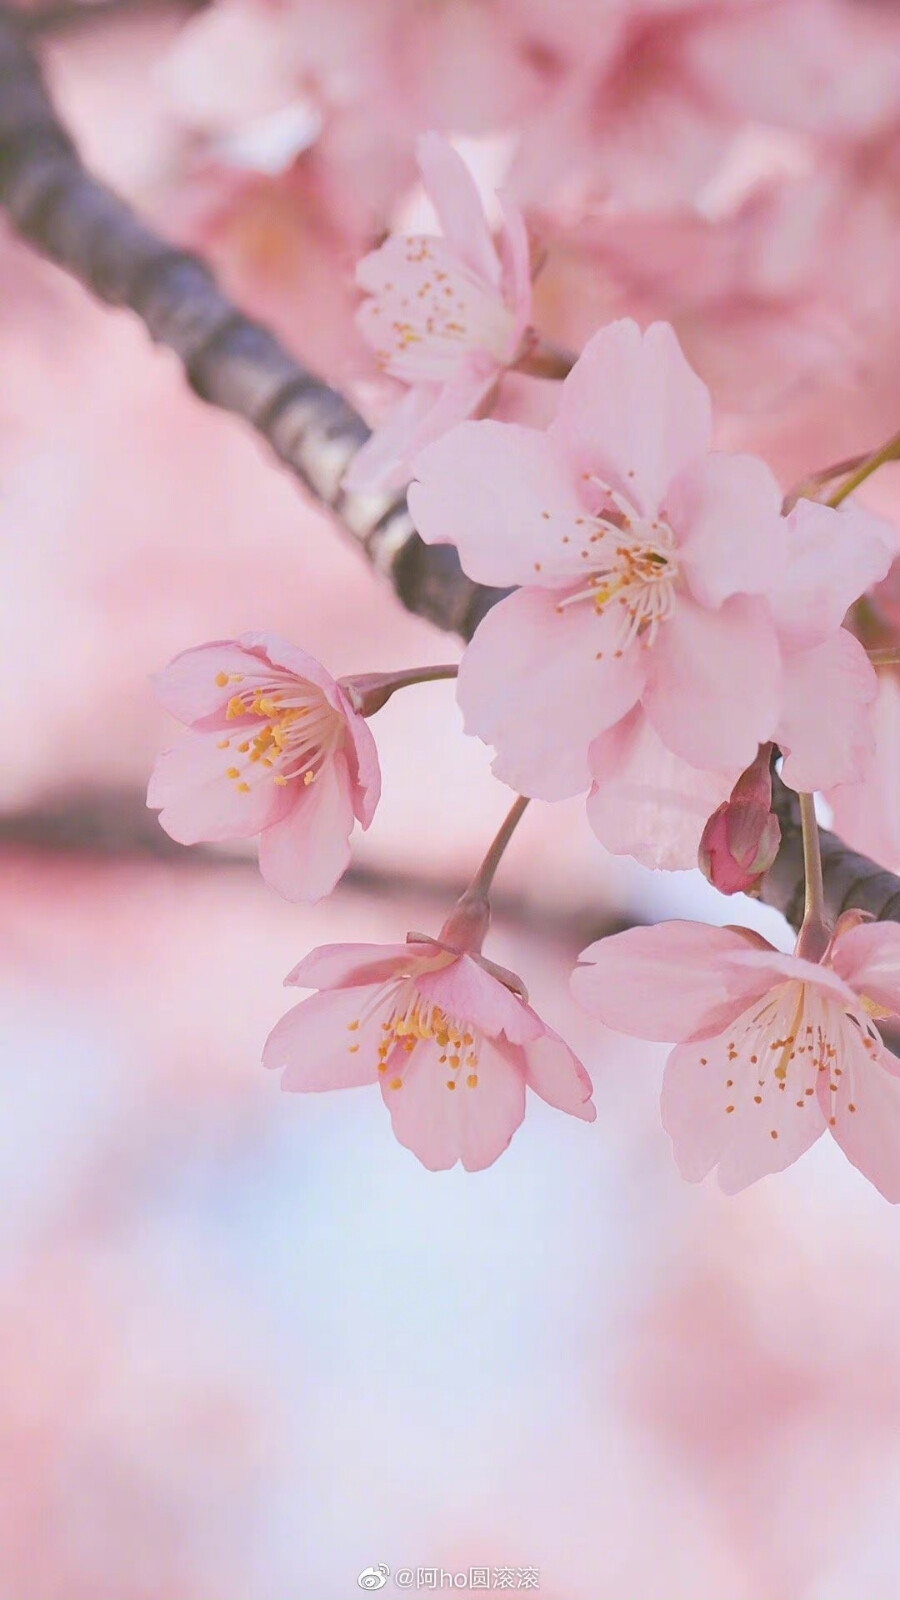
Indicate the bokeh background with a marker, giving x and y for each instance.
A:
(249, 1346)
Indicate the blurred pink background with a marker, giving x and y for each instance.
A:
(249, 1346)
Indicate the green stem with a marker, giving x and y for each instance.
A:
(889, 451)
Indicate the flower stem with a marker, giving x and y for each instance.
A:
(484, 877)
(889, 451)
(815, 933)
(369, 691)
(468, 923)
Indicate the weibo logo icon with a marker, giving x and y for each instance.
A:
(374, 1577)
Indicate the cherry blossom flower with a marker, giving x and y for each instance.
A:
(445, 314)
(641, 556)
(449, 1036)
(275, 748)
(771, 1050)
(669, 619)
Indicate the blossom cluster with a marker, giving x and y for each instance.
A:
(674, 627)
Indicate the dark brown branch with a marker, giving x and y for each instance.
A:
(238, 365)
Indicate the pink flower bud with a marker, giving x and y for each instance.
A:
(741, 839)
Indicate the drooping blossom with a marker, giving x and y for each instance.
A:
(771, 1050)
(275, 748)
(446, 314)
(741, 838)
(669, 619)
(449, 1036)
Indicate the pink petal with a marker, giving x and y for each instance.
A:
(866, 815)
(726, 513)
(362, 759)
(345, 966)
(672, 982)
(515, 254)
(442, 1126)
(530, 684)
(868, 959)
(384, 462)
(715, 681)
(647, 802)
(554, 1072)
(634, 412)
(303, 855)
(465, 991)
(454, 195)
(295, 661)
(700, 1082)
(832, 557)
(198, 802)
(870, 1134)
(825, 731)
(459, 398)
(187, 687)
(504, 497)
(318, 1047)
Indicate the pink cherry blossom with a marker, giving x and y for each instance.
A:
(445, 315)
(641, 556)
(771, 1049)
(449, 1037)
(275, 748)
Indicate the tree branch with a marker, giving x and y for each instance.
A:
(236, 364)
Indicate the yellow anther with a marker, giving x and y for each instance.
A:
(232, 772)
(280, 780)
(472, 1080)
(222, 679)
(236, 707)
(308, 778)
(244, 747)
(353, 1048)
(353, 1026)
(244, 788)
(396, 1083)
(451, 1083)
(222, 744)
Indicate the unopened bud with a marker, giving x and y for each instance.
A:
(742, 838)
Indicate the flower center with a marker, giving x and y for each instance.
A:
(413, 1020)
(300, 731)
(633, 567)
(783, 1046)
